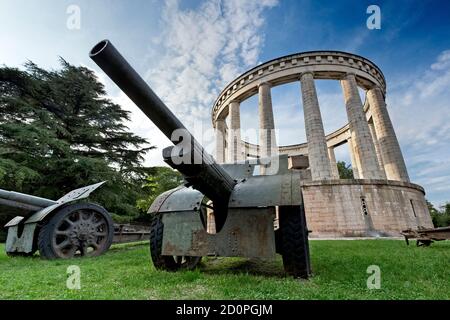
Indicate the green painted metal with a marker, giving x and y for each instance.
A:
(248, 232)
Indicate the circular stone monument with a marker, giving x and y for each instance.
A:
(380, 200)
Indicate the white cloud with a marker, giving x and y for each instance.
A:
(203, 50)
(420, 111)
(443, 61)
(199, 51)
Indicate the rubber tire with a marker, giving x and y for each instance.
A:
(47, 230)
(161, 262)
(293, 241)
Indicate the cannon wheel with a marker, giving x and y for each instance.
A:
(170, 263)
(80, 229)
(293, 241)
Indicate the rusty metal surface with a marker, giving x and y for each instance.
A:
(247, 232)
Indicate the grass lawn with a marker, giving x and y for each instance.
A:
(125, 272)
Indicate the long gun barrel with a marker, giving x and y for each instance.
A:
(206, 175)
(24, 201)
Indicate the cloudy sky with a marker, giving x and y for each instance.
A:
(189, 50)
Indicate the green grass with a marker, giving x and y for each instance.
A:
(125, 272)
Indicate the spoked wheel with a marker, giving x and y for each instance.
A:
(81, 229)
(170, 263)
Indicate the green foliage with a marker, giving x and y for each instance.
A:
(339, 267)
(345, 171)
(59, 132)
(441, 218)
(159, 179)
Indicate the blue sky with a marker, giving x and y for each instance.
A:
(189, 50)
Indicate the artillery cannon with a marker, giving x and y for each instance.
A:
(221, 210)
(59, 229)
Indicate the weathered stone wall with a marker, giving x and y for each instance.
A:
(334, 208)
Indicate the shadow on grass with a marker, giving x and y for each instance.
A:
(224, 265)
(435, 246)
(128, 245)
(242, 266)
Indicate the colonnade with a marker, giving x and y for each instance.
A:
(374, 148)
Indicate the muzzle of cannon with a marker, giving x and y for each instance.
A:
(198, 167)
(221, 210)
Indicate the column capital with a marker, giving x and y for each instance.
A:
(349, 74)
(300, 76)
(264, 83)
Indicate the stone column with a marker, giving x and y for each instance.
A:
(234, 133)
(319, 163)
(220, 140)
(333, 163)
(391, 154)
(267, 141)
(377, 145)
(353, 159)
(362, 143)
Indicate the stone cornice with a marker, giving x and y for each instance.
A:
(323, 65)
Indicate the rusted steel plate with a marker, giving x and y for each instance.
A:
(247, 232)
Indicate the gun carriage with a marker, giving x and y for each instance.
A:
(221, 209)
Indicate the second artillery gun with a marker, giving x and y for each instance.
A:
(221, 210)
(64, 228)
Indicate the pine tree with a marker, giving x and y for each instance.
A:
(59, 131)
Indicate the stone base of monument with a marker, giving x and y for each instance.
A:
(363, 208)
